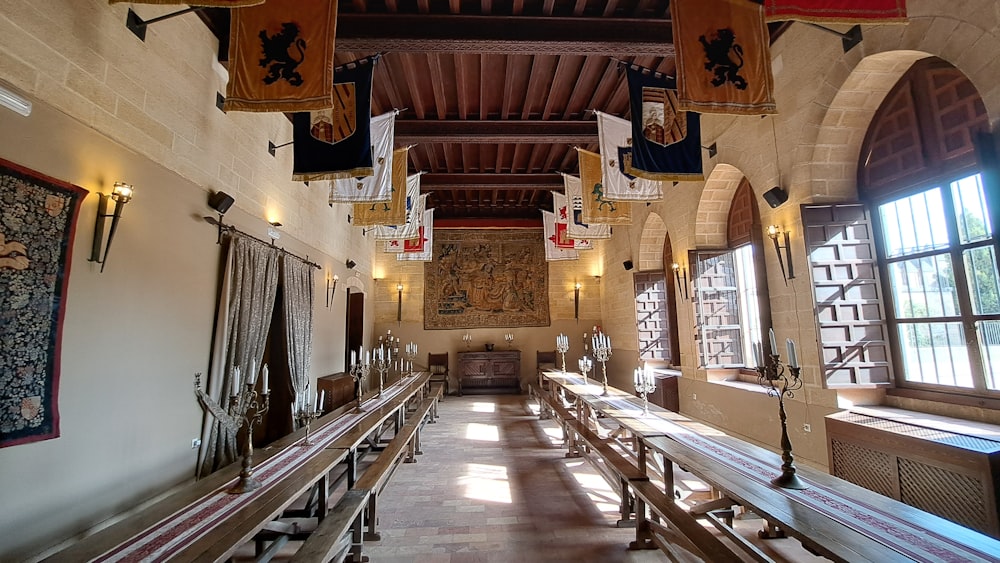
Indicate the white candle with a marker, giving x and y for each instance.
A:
(265, 379)
(793, 360)
(368, 357)
(322, 401)
(252, 376)
(637, 376)
(236, 380)
(354, 359)
(774, 343)
(756, 354)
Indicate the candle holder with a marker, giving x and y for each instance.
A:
(509, 338)
(411, 354)
(467, 338)
(359, 372)
(585, 364)
(562, 346)
(241, 404)
(781, 382)
(644, 384)
(305, 417)
(602, 353)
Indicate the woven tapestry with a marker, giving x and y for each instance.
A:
(37, 222)
(486, 279)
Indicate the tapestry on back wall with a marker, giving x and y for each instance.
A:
(486, 279)
(37, 222)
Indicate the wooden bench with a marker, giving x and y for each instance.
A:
(376, 476)
(614, 466)
(436, 392)
(328, 541)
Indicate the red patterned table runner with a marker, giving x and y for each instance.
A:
(172, 535)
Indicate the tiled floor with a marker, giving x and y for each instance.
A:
(494, 485)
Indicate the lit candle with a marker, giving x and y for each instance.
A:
(793, 360)
(265, 379)
(774, 343)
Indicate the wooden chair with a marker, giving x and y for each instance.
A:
(544, 361)
(437, 364)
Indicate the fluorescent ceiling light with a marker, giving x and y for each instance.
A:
(14, 102)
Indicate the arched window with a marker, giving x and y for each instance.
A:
(934, 223)
(731, 297)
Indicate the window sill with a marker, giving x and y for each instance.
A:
(960, 426)
(941, 397)
(743, 385)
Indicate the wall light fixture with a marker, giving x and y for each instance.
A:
(120, 195)
(774, 231)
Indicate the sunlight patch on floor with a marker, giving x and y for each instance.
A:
(484, 407)
(598, 490)
(482, 432)
(555, 435)
(486, 482)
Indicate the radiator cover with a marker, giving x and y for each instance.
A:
(946, 473)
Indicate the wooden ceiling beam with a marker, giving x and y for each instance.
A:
(511, 35)
(476, 182)
(409, 131)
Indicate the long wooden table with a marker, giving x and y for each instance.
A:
(202, 522)
(834, 517)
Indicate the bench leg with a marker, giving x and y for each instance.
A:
(372, 514)
(434, 411)
(643, 533)
(357, 541)
(416, 447)
(625, 508)
(770, 531)
(323, 486)
(411, 450)
(352, 468)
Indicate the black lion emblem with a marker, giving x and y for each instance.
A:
(717, 54)
(278, 60)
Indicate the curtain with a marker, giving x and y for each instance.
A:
(297, 287)
(250, 283)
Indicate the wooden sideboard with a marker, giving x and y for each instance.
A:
(338, 388)
(493, 372)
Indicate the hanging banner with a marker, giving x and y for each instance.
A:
(666, 142)
(392, 211)
(564, 218)
(317, 156)
(596, 207)
(836, 11)
(723, 58)
(426, 253)
(281, 56)
(578, 229)
(615, 138)
(553, 252)
(396, 235)
(378, 186)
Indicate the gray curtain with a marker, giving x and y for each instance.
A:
(297, 287)
(250, 284)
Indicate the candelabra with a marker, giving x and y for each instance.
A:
(509, 337)
(411, 354)
(306, 416)
(644, 384)
(781, 382)
(243, 401)
(467, 338)
(359, 371)
(562, 346)
(585, 365)
(602, 353)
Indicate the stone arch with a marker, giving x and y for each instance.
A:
(356, 285)
(654, 232)
(887, 52)
(713, 207)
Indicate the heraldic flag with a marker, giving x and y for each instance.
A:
(615, 138)
(206, 3)
(560, 205)
(378, 186)
(723, 61)
(552, 250)
(577, 229)
(281, 56)
(836, 11)
(666, 142)
(344, 156)
(420, 249)
(395, 235)
(597, 208)
(392, 211)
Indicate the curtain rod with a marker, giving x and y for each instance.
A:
(231, 229)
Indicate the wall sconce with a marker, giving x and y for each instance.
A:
(576, 301)
(121, 195)
(399, 303)
(682, 288)
(331, 289)
(273, 232)
(773, 231)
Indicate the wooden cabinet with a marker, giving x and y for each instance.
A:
(493, 372)
(339, 389)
